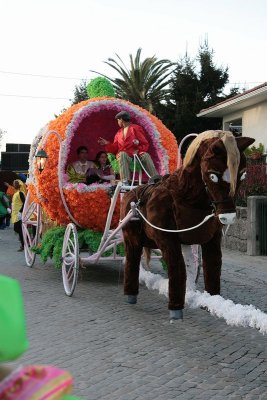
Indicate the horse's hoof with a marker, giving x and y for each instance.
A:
(132, 299)
(176, 315)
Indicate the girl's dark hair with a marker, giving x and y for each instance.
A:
(98, 156)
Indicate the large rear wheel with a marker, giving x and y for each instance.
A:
(31, 228)
(70, 259)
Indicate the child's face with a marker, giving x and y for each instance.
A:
(103, 159)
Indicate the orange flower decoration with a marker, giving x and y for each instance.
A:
(82, 124)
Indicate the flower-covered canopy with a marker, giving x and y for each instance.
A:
(81, 125)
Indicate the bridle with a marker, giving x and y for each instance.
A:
(214, 203)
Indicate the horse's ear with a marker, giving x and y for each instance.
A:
(244, 142)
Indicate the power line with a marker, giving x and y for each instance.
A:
(79, 78)
(34, 97)
(40, 75)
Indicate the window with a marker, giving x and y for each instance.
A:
(234, 126)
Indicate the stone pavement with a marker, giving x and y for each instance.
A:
(123, 352)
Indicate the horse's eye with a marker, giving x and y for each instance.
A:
(243, 176)
(214, 178)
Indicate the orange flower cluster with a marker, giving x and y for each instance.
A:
(90, 209)
(31, 188)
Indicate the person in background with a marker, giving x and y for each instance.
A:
(129, 140)
(9, 193)
(4, 210)
(18, 201)
(10, 190)
(102, 171)
(22, 177)
(77, 170)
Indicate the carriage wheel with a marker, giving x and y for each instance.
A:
(31, 229)
(70, 259)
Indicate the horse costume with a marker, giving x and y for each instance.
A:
(213, 168)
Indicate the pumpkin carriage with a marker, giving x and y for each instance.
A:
(77, 205)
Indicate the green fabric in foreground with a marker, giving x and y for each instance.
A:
(13, 339)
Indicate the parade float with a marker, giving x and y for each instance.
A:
(93, 209)
(90, 214)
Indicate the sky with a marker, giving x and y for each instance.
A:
(63, 40)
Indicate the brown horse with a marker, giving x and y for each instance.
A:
(213, 167)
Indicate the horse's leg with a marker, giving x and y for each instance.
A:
(189, 254)
(212, 263)
(173, 256)
(133, 252)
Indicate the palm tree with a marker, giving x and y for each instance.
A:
(144, 83)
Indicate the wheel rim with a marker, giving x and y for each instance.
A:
(31, 226)
(70, 259)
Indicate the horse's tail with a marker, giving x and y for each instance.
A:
(147, 255)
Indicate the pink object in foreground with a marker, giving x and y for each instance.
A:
(36, 382)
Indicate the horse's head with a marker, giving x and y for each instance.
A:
(223, 167)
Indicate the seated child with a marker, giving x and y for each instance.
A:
(77, 170)
(101, 172)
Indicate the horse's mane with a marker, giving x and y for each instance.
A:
(233, 154)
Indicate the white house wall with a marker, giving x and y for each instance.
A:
(254, 122)
(231, 117)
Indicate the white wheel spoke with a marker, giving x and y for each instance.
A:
(71, 242)
(70, 251)
(28, 238)
(70, 257)
(70, 273)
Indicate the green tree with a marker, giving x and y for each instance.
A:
(144, 82)
(80, 93)
(212, 79)
(183, 99)
(195, 84)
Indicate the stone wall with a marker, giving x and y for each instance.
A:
(236, 237)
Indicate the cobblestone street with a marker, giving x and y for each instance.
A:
(123, 352)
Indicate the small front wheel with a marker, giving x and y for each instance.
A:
(70, 259)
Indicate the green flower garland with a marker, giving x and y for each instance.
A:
(52, 243)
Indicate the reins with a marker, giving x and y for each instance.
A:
(136, 211)
(134, 208)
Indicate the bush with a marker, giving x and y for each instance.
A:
(255, 184)
(254, 152)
